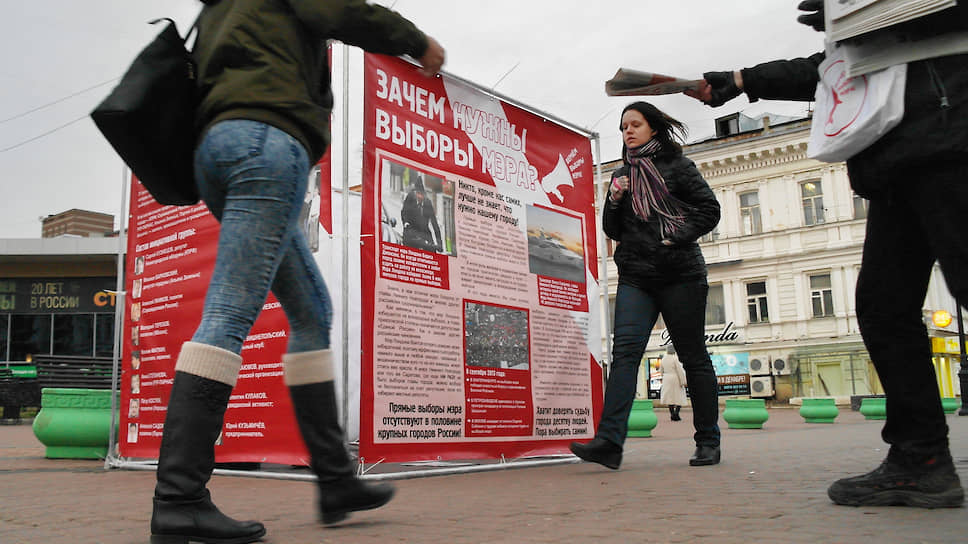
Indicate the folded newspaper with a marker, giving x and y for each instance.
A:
(848, 18)
(627, 82)
(885, 48)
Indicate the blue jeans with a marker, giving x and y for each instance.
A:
(683, 306)
(252, 177)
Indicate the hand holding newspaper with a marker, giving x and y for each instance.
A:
(628, 82)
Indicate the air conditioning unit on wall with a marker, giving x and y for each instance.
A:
(759, 367)
(761, 386)
(781, 366)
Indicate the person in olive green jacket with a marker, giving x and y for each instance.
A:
(263, 121)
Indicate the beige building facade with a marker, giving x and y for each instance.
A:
(783, 263)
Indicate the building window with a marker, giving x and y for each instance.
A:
(104, 335)
(756, 302)
(860, 207)
(715, 306)
(74, 334)
(749, 212)
(29, 335)
(4, 335)
(812, 195)
(84, 335)
(710, 236)
(727, 126)
(821, 296)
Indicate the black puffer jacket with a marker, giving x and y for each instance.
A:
(641, 258)
(935, 123)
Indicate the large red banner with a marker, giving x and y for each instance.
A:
(170, 257)
(480, 291)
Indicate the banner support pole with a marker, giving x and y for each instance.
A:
(603, 255)
(345, 275)
(119, 302)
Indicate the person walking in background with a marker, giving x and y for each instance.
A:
(673, 392)
(916, 179)
(263, 120)
(658, 206)
(419, 217)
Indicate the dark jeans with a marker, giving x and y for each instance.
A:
(683, 306)
(922, 222)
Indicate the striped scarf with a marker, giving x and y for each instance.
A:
(649, 192)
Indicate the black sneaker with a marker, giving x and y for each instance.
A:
(930, 483)
(599, 451)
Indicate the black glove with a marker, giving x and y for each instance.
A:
(815, 18)
(723, 86)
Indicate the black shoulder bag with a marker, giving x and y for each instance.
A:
(149, 117)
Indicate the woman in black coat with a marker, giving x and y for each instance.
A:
(657, 208)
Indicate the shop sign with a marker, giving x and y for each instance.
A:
(57, 295)
(728, 335)
(948, 344)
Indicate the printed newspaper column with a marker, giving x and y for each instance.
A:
(476, 301)
(170, 258)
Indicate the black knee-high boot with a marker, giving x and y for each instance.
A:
(340, 491)
(183, 511)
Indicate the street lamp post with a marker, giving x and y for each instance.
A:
(963, 371)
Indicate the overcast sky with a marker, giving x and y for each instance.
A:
(61, 57)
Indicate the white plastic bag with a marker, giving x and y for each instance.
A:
(852, 113)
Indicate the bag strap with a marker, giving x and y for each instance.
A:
(188, 35)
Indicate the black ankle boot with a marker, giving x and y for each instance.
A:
(340, 491)
(675, 415)
(599, 451)
(705, 455)
(182, 507)
(925, 481)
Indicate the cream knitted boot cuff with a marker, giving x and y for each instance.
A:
(209, 362)
(307, 367)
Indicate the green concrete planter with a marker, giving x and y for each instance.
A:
(642, 419)
(819, 410)
(874, 407)
(74, 423)
(950, 404)
(745, 413)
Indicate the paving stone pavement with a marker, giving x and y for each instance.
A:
(770, 487)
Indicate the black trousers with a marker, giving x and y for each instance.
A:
(924, 220)
(683, 306)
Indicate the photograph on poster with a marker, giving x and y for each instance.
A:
(139, 265)
(135, 336)
(309, 213)
(417, 209)
(136, 359)
(132, 433)
(555, 245)
(136, 289)
(135, 384)
(135, 312)
(496, 336)
(134, 406)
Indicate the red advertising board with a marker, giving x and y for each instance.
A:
(477, 294)
(170, 257)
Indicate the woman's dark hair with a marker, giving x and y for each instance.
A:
(668, 131)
